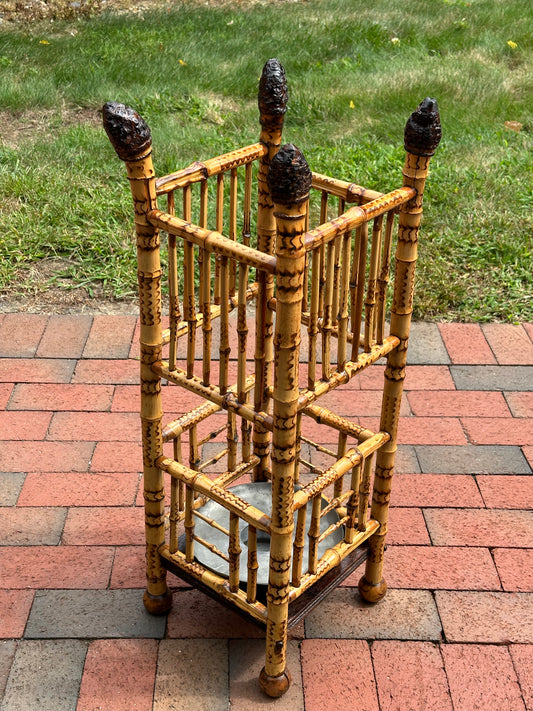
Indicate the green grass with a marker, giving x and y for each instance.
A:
(355, 73)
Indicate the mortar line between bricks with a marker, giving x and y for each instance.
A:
(301, 668)
(419, 463)
(82, 351)
(42, 336)
(475, 476)
(370, 647)
(462, 425)
(517, 676)
(228, 653)
(46, 437)
(491, 550)
(490, 347)
(156, 668)
(89, 465)
(440, 645)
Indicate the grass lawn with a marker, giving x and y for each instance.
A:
(355, 71)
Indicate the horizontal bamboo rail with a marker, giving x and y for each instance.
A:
(216, 583)
(331, 558)
(203, 485)
(340, 188)
(212, 241)
(176, 427)
(352, 458)
(357, 215)
(201, 170)
(227, 401)
(182, 326)
(351, 368)
(325, 417)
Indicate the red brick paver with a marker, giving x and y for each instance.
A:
(54, 397)
(510, 344)
(505, 491)
(64, 336)
(480, 527)
(438, 403)
(482, 677)
(497, 617)
(441, 568)
(119, 675)
(515, 568)
(45, 456)
(5, 393)
(55, 567)
(522, 656)
(455, 630)
(15, 607)
(110, 337)
(79, 489)
(20, 334)
(410, 675)
(466, 344)
(337, 674)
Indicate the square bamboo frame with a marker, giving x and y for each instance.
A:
(331, 283)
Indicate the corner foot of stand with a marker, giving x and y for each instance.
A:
(274, 686)
(372, 592)
(157, 604)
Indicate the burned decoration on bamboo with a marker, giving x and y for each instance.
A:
(242, 503)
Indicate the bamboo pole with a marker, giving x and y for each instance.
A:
(289, 181)
(421, 138)
(212, 241)
(370, 303)
(355, 216)
(173, 291)
(198, 171)
(272, 102)
(383, 280)
(131, 139)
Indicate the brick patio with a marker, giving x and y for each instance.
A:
(454, 632)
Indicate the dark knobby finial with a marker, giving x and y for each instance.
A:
(423, 131)
(289, 176)
(127, 131)
(273, 95)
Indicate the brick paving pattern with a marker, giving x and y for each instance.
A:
(454, 633)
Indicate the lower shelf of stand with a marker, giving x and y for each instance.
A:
(300, 607)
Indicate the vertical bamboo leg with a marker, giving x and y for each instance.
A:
(132, 141)
(272, 107)
(289, 181)
(422, 136)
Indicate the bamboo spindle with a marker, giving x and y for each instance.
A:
(242, 339)
(131, 139)
(253, 565)
(272, 102)
(421, 138)
(312, 329)
(370, 303)
(219, 220)
(383, 280)
(327, 321)
(289, 181)
(173, 292)
(322, 265)
(176, 500)
(233, 194)
(357, 285)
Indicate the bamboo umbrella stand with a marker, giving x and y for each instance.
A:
(270, 308)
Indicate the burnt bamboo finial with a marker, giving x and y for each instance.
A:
(273, 95)
(128, 132)
(289, 177)
(423, 130)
